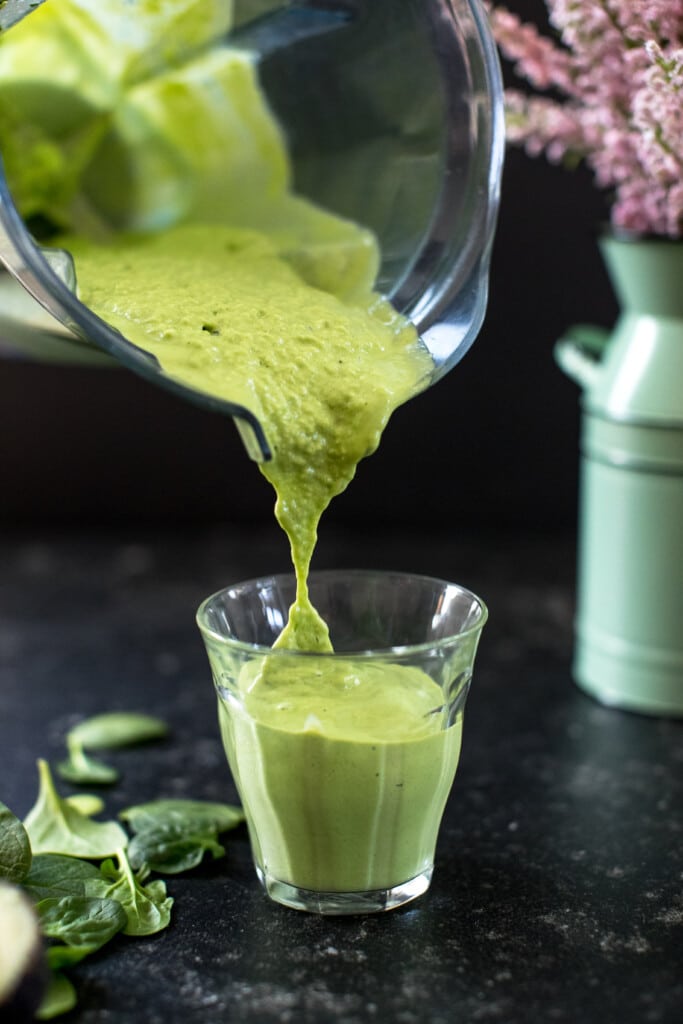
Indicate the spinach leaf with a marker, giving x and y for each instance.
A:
(15, 848)
(53, 874)
(86, 803)
(173, 835)
(168, 847)
(60, 956)
(116, 729)
(105, 732)
(82, 923)
(147, 908)
(59, 998)
(82, 770)
(200, 815)
(54, 826)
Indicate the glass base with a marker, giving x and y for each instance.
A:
(371, 902)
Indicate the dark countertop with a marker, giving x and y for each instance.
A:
(558, 889)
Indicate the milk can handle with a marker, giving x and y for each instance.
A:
(578, 353)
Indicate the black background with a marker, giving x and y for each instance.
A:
(493, 444)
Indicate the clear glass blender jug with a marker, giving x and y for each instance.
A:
(393, 115)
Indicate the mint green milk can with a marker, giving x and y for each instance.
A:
(629, 617)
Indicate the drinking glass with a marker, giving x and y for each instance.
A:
(344, 761)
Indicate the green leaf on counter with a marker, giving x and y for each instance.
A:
(147, 908)
(169, 848)
(82, 923)
(191, 814)
(15, 848)
(107, 731)
(54, 826)
(117, 729)
(54, 875)
(59, 998)
(173, 835)
(82, 905)
(86, 803)
(82, 770)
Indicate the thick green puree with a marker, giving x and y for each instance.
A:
(153, 149)
(133, 126)
(224, 309)
(344, 770)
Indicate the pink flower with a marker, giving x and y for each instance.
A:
(613, 78)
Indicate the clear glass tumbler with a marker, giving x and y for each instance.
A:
(344, 761)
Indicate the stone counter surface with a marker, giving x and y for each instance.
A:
(558, 889)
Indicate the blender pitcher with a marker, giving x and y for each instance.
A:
(393, 116)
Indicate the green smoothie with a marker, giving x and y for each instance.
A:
(154, 149)
(225, 309)
(150, 140)
(343, 768)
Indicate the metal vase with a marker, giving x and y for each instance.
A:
(629, 618)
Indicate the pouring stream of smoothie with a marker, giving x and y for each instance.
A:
(191, 241)
(222, 308)
(167, 178)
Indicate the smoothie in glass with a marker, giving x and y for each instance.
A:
(344, 761)
(343, 768)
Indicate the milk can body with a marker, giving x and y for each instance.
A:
(629, 615)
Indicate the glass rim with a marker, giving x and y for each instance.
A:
(397, 650)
